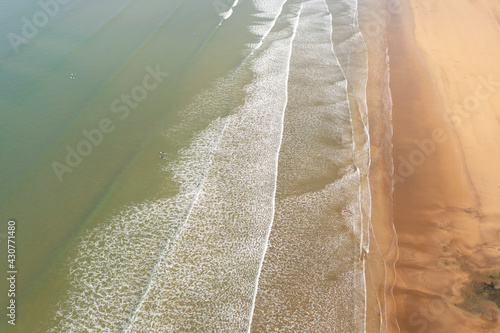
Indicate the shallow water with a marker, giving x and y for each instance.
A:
(256, 216)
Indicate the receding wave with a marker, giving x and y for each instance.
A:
(207, 282)
(226, 14)
(113, 263)
(351, 51)
(189, 263)
(312, 277)
(270, 219)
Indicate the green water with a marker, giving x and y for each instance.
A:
(109, 47)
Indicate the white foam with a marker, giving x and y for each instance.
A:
(352, 53)
(124, 251)
(210, 274)
(189, 263)
(266, 242)
(226, 14)
(317, 228)
(193, 262)
(112, 263)
(268, 10)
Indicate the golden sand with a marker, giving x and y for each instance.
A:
(445, 84)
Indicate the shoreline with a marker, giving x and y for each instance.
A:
(443, 203)
(380, 260)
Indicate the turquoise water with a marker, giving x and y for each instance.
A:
(110, 237)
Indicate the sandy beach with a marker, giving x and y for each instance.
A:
(445, 87)
(250, 166)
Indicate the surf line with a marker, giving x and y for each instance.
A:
(354, 147)
(362, 250)
(271, 28)
(129, 322)
(266, 243)
(365, 217)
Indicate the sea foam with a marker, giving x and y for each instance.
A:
(312, 275)
(189, 262)
(245, 219)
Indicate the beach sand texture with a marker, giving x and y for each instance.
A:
(445, 84)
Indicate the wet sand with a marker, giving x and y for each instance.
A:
(444, 70)
(379, 267)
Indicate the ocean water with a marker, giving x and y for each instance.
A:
(255, 218)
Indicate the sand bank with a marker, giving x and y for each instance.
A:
(445, 74)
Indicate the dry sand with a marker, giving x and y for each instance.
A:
(445, 65)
